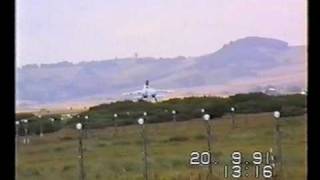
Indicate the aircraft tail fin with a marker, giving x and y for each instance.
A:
(146, 85)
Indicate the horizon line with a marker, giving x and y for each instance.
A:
(142, 57)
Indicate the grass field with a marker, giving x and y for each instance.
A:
(54, 156)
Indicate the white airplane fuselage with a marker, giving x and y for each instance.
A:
(147, 92)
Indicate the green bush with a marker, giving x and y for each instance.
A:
(291, 111)
(187, 108)
(20, 116)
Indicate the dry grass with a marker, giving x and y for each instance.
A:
(119, 157)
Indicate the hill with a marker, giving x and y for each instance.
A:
(240, 66)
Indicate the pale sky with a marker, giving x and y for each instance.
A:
(49, 31)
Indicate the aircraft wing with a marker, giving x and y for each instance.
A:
(163, 91)
(139, 92)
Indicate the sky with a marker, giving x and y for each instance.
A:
(50, 31)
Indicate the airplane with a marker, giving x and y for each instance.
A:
(148, 92)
